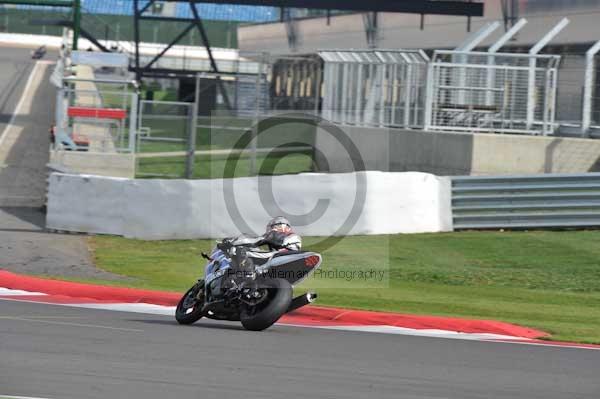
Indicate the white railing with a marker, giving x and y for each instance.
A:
(383, 88)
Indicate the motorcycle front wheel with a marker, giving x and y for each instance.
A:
(264, 315)
(189, 308)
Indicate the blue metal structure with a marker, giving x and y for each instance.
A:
(214, 12)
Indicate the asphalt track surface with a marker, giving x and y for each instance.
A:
(30, 97)
(15, 66)
(61, 352)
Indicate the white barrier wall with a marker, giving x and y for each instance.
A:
(317, 204)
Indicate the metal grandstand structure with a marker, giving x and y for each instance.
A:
(142, 11)
(192, 13)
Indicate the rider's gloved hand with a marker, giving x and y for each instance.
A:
(275, 238)
(225, 245)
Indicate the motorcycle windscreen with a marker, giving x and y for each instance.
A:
(293, 266)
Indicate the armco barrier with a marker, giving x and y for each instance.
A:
(536, 201)
(180, 209)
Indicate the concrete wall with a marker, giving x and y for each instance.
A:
(448, 154)
(318, 205)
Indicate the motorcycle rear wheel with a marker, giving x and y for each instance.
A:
(280, 297)
(183, 315)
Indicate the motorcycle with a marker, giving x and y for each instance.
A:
(256, 292)
(38, 53)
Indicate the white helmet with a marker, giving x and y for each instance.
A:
(279, 224)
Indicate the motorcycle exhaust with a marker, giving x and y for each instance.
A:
(302, 300)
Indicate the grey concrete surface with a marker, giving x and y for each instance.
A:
(24, 150)
(59, 352)
(25, 247)
(15, 66)
(451, 154)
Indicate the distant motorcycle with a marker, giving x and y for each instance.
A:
(237, 288)
(38, 53)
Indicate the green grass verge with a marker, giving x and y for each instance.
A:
(275, 132)
(222, 132)
(213, 167)
(545, 280)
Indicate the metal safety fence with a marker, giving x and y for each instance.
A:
(521, 202)
(165, 136)
(383, 88)
(501, 92)
(226, 130)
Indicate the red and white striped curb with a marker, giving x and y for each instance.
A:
(15, 287)
(291, 320)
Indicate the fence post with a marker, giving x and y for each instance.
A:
(431, 81)
(360, 82)
(491, 59)
(257, 106)
(193, 122)
(319, 82)
(59, 121)
(344, 67)
(407, 93)
(588, 87)
(133, 119)
(466, 46)
(532, 68)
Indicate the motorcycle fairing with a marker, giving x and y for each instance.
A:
(294, 266)
(217, 267)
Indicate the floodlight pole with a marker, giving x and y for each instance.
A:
(531, 95)
(590, 72)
